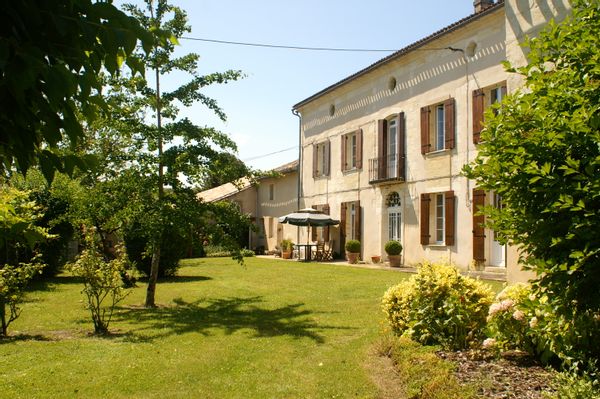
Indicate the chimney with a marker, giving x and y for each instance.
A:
(482, 5)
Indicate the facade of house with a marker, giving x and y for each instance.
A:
(383, 149)
(266, 200)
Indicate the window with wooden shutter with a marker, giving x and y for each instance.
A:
(450, 125)
(478, 108)
(401, 146)
(425, 141)
(344, 146)
(315, 149)
(343, 211)
(449, 214)
(357, 221)
(478, 226)
(326, 158)
(425, 201)
(359, 150)
(381, 149)
(325, 209)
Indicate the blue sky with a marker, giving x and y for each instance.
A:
(259, 107)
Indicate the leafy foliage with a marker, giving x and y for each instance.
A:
(393, 247)
(51, 56)
(352, 246)
(103, 281)
(19, 236)
(438, 306)
(541, 153)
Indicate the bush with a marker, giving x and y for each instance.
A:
(217, 251)
(103, 282)
(509, 321)
(439, 306)
(353, 246)
(172, 250)
(393, 247)
(520, 319)
(287, 245)
(247, 253)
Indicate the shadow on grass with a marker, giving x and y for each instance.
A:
(24, 337)
(229, 315)
(176, 279)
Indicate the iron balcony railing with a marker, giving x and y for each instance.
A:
(387, 168)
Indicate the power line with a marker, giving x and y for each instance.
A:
(269, 154)
(288, 47)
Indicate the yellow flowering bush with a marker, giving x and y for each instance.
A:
(439, 306)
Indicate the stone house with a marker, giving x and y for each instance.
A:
(382, 150)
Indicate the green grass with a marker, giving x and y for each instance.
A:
(271, 329)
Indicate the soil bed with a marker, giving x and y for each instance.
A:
(514, 375)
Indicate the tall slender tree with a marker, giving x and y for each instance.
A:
(177, 148)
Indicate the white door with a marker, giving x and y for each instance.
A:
(498, 251)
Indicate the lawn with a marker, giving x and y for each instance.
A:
(270, 329)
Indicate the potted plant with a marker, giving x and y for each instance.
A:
(375, 258)
(393, 249)
(287, 246)
(352, 251)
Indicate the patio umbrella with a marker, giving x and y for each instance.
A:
(308, 217)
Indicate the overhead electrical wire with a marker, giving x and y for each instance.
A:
(287, 47)
(269, 154)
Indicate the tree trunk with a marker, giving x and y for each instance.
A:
(150, 302)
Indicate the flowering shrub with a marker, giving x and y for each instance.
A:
(508, 322)
(438, 306)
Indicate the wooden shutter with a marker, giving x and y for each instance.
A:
(478, 226)
(326, 158)
(344, 156)
(315, 161)
(343, 209)
(359, 151)
(381, 149)
(449, 215)
(425, 201)
(450, 125)
(478, 108)
(401, 146)
(425, 142)
(326, 211)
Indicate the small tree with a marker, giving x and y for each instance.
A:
(103, 281)
(18, 261)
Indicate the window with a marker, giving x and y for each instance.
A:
(271, 192)
(352, 150)
(482, 99)
(441, 217)
(438, 127)
(321, 159)
(350, 222)
(320, 233)
(390, 161)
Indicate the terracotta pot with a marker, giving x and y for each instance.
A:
(395, 260)
(375, 259)
(286, 255)
(352, 257)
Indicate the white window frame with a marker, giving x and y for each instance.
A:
(439, 121)
(351, 146)
(440, 219)
(321, 158)
(392, 147)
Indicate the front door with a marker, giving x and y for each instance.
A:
(497, 250)
(394, 210)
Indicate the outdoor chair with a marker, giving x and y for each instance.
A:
(320, 250)
(328, 252)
